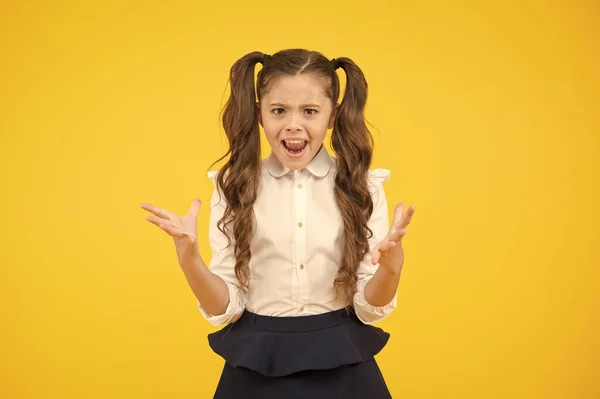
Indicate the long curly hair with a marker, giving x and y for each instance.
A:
(351, 142)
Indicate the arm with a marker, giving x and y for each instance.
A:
(382, 288)
(377, 286)
(210, 289)
(220, 300)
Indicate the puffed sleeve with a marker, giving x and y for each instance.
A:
(379, 224)
(223, 262)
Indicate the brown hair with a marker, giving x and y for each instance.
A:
(351, 142)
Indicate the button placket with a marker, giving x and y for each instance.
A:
(301, 232)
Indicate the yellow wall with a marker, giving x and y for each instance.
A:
(487, 116)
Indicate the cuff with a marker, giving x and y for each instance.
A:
(368, 313)
(232, 313)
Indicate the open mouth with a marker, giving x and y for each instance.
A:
(295, 148)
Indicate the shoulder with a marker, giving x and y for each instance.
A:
(379, 176)
(213, 175)
(376, 178)
(217, 192)
(263, 170)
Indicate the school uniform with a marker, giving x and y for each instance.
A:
(290, 335)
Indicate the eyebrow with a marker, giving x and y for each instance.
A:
(303, 105)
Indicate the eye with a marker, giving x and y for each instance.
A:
(278, 111)
(310, 111)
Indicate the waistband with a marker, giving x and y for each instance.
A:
(297, 323)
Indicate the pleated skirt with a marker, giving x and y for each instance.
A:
(330, 355)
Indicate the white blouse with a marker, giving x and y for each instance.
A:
(297, 245)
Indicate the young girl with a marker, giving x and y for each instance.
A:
(303, 262)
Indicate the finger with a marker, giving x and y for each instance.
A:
(155, 220)
(165, 225)
(406, 219)
(195, 208)
(163, 213)
(375, 257)
(397, 234)
(159, 221)
(383, 248)
(398, 213)
(386, 246)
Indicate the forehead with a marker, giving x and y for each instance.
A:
(305, 87)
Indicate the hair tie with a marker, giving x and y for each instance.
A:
(264, 58)
(334, 63)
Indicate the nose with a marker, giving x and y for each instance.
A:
(294, 124)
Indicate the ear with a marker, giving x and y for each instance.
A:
(333, 116)
(259, 114)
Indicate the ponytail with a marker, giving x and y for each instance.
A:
(240, 121)
(353, 144)
(351, 137)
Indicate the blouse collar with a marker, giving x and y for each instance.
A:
(318, 166)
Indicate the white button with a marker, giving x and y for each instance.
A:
(302, 307)
(299, 224)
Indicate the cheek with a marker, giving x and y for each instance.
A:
(271, 129)
(318, 127)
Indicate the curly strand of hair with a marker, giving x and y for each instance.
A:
(352, 142)
(240, 122)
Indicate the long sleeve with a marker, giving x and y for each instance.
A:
(223, 263)
(379, 224)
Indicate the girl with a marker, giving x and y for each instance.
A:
(302, 260)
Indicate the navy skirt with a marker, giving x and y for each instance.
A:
(329, 356)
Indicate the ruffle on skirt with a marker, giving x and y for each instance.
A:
(280, 346)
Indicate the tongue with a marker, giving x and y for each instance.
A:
(295, 146)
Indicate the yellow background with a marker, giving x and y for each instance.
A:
(487, 115)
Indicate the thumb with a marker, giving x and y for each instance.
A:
(195, 208)
(375, 256)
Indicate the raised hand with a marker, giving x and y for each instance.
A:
(183, 229)
(389, 251)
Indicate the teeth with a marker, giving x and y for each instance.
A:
(295, 141)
